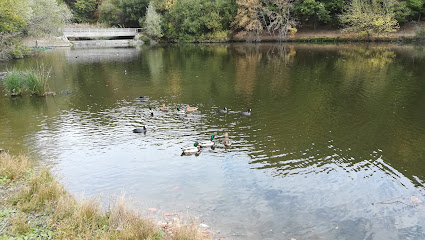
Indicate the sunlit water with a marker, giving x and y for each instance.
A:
(334, 148)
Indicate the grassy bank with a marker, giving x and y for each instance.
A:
(35, 206)
(34, 81)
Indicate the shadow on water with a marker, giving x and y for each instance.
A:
(333, 149)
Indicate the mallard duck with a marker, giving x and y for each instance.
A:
(191, 149)
(207, 143)
(180, 111)
(143, 98)
(226, 141)
(246, 113)
(224, 110)
(191, 109)
(140, 130)
(164, 108)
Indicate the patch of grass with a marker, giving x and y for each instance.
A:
(34, 80)
(127, 224)
(42, 192)
(13, 168)
(187, 232)
(14, 82)
(44, 210)
(37, 80)
(20, 223)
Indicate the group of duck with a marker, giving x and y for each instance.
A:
(197, 145)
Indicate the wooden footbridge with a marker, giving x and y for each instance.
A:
(100, 32)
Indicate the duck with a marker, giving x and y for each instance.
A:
(143, 98)
(164, 108)
(247, 114)
(224, 110)
(194, 149)
(209, 143)
(226, 141)
(140, 130)
(180, 111)
(191, 109)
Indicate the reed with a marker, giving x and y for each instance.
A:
(14, 82)
(36, 80)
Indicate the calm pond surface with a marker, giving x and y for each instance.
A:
(334, 148)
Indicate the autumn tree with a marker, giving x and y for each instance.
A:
(248, 17)
(370, 17)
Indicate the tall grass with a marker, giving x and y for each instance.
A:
(13, 168)
(14, 82)
(34, 80)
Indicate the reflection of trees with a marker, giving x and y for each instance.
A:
(349, 103)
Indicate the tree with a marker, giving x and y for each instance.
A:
(85, 10)
(12, 15)
(374, 17)
(279, 17)
(152, 22)
(311, 10)
(123, 12)
(46, 17)
(248, 16)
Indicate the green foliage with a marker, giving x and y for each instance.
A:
(110, 13)
(152, 22)
(369, 18)
(312, 10)
(14, 82)
(46, 17)
(35, 81)
(417, 9)
(12, 15)
(194, 20)
(85, 10)
(124, 13)
(19, 50)
(420, 34)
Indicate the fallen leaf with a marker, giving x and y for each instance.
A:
(152, 209)
(415, 199)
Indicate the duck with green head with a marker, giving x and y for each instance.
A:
(209, 143)
(196, 148)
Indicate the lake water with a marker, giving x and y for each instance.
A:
(334, 149)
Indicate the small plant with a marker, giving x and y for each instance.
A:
(420, 34)
(14, 82)
(37, 79)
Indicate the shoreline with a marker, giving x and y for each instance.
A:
(36, 206)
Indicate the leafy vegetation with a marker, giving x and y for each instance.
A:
(34, 81)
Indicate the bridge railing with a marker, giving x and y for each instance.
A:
(95, 30)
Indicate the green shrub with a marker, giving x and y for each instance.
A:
(20, 51)
(14, 82)
(420, 34)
